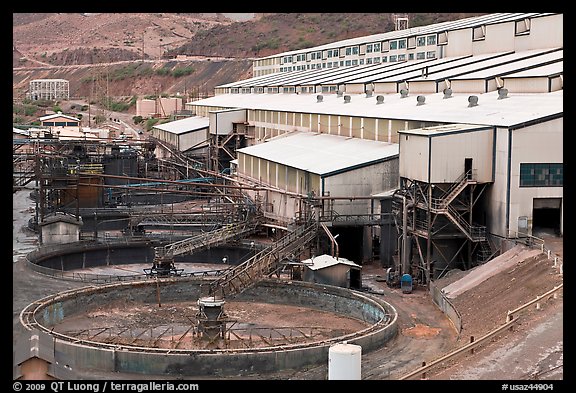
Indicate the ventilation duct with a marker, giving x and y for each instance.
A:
(379, 100)
(448, 93)
(472, 101)
(369, 90)
(347, 99)
(420, 100)
(319, 98)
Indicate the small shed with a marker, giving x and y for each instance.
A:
(329, 270)
(34, 358)
(60, 228)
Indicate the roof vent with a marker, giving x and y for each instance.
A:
(472, 101)
(346, 99)
(448, 93)
(319, 98)
(339, 94)
(420, 100)
(403, 93)
(502, 93)
(379, 100)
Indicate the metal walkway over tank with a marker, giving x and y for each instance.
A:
(163, 263)
(265, 263)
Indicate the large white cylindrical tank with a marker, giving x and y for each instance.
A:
(344, 361)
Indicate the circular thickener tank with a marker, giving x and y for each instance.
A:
(344, 362)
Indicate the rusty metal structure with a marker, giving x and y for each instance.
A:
(437, 227)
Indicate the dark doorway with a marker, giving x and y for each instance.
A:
(546, 215)
(468, 167)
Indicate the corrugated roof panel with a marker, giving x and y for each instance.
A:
(321, 154)
(505, 65)
(324, 261)
(184, 125)
(550, 70)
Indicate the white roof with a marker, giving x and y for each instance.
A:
(184, 125)
(20, 131)
(55, 115)
(504, 65)
(322, 154)
(324, 261)
(444, 129)
(549, 70)
(516, 109)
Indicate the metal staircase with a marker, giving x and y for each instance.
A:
(265, 263)
(163, 263)
(461, 183)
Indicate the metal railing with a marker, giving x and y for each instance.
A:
(249, 272)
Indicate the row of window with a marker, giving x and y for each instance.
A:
(541, 175)
(354, 62)
(375, 47)
(522, 27)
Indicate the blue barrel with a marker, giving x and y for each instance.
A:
(406, 283)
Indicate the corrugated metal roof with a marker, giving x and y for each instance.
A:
(324, 261)
(548, 70)
(321, 154)
(184, 125)
(443, 129)
(515, 109)
(497, 66)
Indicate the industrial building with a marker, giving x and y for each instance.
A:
(49, 89)
(497, 32)
(423, 150)
(471, 123)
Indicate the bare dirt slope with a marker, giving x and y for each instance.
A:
(81, 38)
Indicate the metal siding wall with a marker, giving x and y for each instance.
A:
(469, 86)
(422, 87)
(354, 88)
(526, 85)
(314, 122)
(370, 129)
(545, 32)
(414, 157)
(395, 126)
(385, 88)
(292, 179)
(540, 143)
(333, 125)
(364, 181)
(357, 127)
(449, 152)
(459, 43)
(345, 125)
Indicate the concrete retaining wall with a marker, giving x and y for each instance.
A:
(151, 361)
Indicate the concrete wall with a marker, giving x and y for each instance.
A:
(121, 359)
